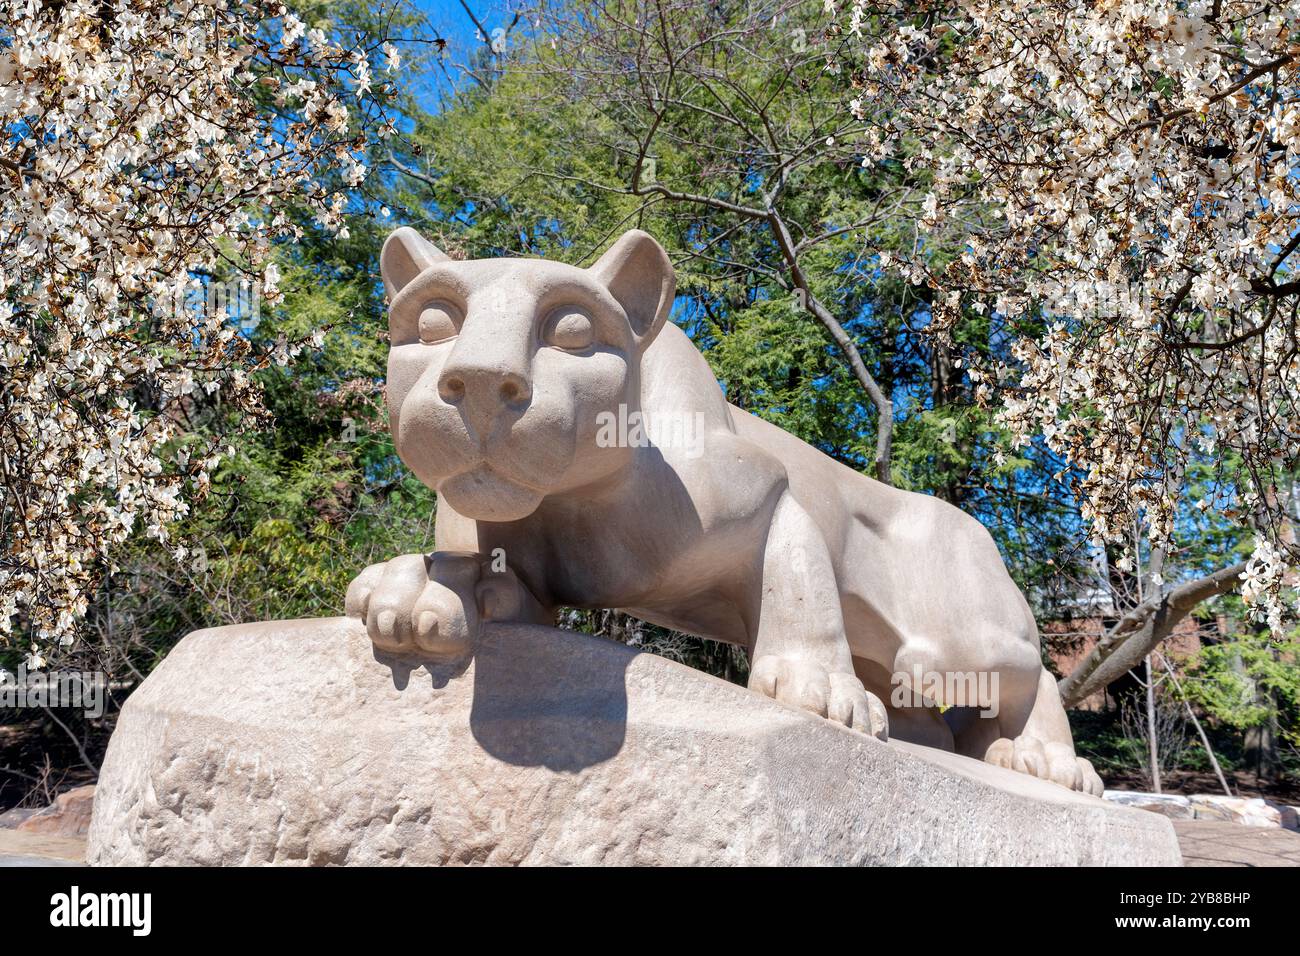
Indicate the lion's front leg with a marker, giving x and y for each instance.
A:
(434, 605)
(800, 654)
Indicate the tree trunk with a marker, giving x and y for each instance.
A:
(1261, 741)
(943, 393)
(1200, 731)
(1139, 631)
(1153, 746)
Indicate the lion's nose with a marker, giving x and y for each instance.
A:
(483, 386)
(482, 391)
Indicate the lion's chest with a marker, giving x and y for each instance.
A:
(684, 558)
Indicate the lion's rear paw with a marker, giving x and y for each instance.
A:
(807, 685)
(1052, 761)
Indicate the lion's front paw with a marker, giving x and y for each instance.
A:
(810, 686)
(1048, 761)
(421, 605)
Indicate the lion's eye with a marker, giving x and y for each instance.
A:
(438, 322)
(568, 329)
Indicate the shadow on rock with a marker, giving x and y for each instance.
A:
(557, 701)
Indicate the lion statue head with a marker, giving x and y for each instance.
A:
(499, 368)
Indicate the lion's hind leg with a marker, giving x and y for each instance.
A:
(999, 702)
(1041, 745)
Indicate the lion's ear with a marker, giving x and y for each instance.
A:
(638, 274)
(405, 255)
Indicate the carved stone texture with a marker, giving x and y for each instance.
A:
(584, 455)
(294, 742)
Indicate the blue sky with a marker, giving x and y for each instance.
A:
(449, 19)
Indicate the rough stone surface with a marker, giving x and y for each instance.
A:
(290, 742)
(1244, 811)
(67, 816)
(10, 819)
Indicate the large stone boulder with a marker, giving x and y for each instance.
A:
(290, 742)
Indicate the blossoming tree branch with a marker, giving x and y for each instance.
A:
(148, 149)
(1124, 176)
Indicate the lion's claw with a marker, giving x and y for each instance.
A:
(418, 605)
(810, 686)
(1047, 761)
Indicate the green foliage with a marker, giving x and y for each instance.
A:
(1249, 680)
(773, 361)
(1099, 738)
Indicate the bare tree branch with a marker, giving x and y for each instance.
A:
(1140, 630)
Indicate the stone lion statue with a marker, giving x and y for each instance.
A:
(584, 455)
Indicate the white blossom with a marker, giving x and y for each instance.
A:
(1130, 173)
(135, 157)
(392, 58)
